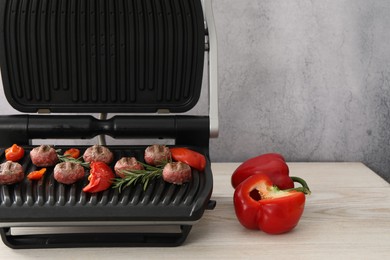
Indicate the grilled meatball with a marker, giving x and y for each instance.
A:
(44, 156)
(11, 172)
(68, 172)
(157, 154)
(177, 173)
(98, 153)
(127, 164)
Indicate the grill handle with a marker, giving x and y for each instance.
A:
(185, 130)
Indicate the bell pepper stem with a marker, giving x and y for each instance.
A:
(305, 188)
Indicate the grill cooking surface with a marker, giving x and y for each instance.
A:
(102, 56)
(50, 201)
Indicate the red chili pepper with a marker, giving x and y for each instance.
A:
(72, 152)
(100, 177)
(261, 205)
(271, 164)
(36, 175)
(14, 153)
(190, 157)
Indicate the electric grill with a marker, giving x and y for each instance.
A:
(142, 58)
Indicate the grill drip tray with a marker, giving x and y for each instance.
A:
(45, 213)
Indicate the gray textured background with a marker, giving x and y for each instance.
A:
(308, 79)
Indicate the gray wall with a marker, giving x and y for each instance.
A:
(308, 79)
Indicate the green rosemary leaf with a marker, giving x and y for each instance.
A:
(146, 182)
(68, 158)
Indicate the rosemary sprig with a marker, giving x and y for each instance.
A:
(138, 176)
(68, 158)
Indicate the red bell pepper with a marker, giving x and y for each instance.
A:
(100, 177)
(36, 175)
(261, 205)
(190, 157)
(271, 164)
(14, 153)
(73, 153)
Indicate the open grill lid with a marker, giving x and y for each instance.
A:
(102, 56)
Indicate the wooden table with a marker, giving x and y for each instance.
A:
(346, 217)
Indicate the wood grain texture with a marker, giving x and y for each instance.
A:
(346, 217)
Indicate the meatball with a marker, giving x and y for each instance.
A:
(98, 153)
(11, 172)
(177, 173)
(127, 164)
(157, 154)
(44, 156)
(68, 172)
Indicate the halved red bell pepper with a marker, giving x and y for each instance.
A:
(261, 205)
(100, 177)
(192, 158)
(271, 164)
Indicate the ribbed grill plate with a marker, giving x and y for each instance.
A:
(49, 201)
(102, 55)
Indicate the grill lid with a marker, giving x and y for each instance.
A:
(102, 56)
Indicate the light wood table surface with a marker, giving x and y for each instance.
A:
(346, 217)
